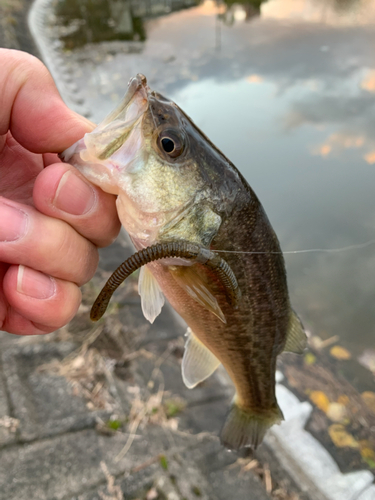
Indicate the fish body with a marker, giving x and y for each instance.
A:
(173, 184)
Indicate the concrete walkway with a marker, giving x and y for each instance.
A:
(63, 396)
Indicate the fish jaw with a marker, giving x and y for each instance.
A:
(114, 148)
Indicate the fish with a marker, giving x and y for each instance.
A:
(204, 242)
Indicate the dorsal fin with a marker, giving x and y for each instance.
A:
(193, 284)
(198, 362)
(296, 340)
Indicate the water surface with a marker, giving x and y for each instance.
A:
(286, 89)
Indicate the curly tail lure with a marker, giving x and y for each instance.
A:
(182, 249)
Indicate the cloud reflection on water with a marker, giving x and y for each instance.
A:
(289, 97)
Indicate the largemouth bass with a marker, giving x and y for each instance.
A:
(178, 194)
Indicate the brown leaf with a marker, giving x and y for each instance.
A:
(339, 352)
(340, 437)
(343, 400)
(336, 412)
(366, 449)
(320, 399)
(309, 358)
(369, 399)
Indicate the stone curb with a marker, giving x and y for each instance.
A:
(50, 50)
(307, 460)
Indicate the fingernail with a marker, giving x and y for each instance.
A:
(73, 195)
(35, 284)
(13, 223)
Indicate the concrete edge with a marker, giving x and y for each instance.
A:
(50, 49)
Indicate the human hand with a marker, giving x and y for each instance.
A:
(51, 219)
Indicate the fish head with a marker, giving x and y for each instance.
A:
(149, 153)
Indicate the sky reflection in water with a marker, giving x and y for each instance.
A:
(289, 97)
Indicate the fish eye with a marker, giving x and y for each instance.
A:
(171, 142)
(168, 145)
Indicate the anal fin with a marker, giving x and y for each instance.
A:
(296, 340)
(198, 362)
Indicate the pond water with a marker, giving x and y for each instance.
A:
(286, 89)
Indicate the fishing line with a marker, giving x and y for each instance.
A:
(311, 250)
(153, 117)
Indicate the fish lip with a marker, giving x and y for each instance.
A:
(136, 84)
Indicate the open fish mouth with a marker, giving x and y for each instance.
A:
(133, 104)
(115, 143)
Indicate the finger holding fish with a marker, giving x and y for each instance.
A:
(37, 302)
(91, 211)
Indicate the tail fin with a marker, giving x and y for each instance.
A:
(245, 428)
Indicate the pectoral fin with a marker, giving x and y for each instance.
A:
(193, 284)
(296, 340)
(198, 362)
(152, 298)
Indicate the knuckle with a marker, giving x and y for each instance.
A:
(75, 256)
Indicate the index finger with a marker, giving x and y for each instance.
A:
(31, 106)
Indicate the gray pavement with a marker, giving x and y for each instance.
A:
(59, 394)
